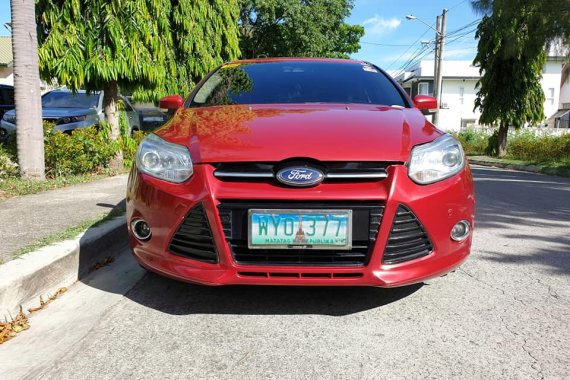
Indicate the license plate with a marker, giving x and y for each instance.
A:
(300, 229)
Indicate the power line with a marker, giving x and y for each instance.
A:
(413, 58)
(417, 59)
(472, 23)
(408, 49)
(381, 44)
(454, 35)
(456, 5)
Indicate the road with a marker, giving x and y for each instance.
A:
(505, 314)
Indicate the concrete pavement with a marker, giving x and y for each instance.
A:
(26, 219)
(504, 315)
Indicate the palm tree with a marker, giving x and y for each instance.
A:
(27, 95)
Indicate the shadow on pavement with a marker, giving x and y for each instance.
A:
(94, 251)
(177, 298)
(525, 207)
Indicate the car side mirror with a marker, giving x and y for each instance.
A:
(171, 102)
(424, 102)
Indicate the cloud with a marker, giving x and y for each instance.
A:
(460, 53)
(378, 25)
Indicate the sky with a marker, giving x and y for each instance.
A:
(386, 25)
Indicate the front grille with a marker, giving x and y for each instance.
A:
(366, 218)
(408, 239)
(332, 171)
(193, 239)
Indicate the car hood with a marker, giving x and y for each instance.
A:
(55, 113)
(240, 133)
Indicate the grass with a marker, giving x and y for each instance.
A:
(13, 187)
(69, 233)
(560, 168)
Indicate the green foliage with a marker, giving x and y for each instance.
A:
(473, 142)
(85, 150)
(270, 28)
(151, 47)
(526, 146)
(511, 64)
(549, 20)
(129, 145)
(86, 44)
(204, 35)
(16, 186)
(492, 145)
(511, 52)
(8, 159)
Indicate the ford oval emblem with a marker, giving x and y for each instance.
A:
(300, 176)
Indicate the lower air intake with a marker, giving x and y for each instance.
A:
(408, 239)
(193, 239)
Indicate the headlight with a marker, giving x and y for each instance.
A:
(71, 119)
(164, 160)
(440, 159)
(9, 118)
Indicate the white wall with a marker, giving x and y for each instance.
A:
(6, 76)
(450, 117)
(564, 94)
(457, 109)
(551, 75)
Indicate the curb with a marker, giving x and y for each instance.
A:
(519, 167)
(25, 279)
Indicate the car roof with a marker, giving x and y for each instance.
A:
(78, 91)
(300, 59)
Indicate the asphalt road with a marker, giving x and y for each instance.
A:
(505, 314)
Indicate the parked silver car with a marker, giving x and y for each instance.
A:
(70, 111)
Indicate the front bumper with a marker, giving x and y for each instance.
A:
(164, 206)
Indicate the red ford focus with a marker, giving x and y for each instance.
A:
(300, 172)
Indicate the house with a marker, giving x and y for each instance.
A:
(6, 61)
(562, 118)
(459, 90)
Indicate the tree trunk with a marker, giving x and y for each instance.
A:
(27, 94)
(110, 98)
(502, 139)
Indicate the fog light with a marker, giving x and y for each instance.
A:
(461, 230)
(140, 229)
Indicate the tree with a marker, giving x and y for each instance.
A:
(203, 35)
(27, 95)
(513, 37)
(150, 47)
(271, 28)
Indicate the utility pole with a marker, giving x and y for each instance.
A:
(438, 72)
(436, 54)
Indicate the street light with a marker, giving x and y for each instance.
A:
(438, 57)
(412, 17)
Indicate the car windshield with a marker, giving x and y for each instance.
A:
(65, 99)
(297, 82)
